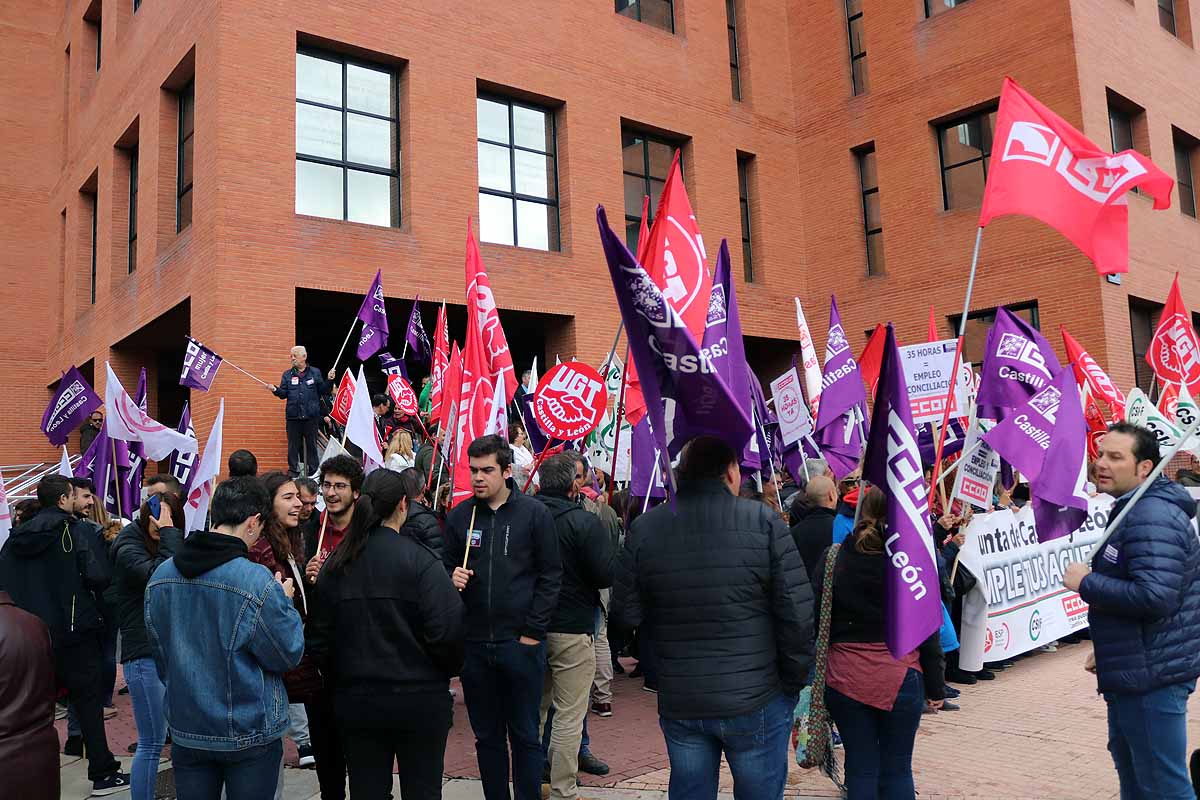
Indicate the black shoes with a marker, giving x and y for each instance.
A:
(591, 765)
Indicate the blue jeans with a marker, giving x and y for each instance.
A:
(146, 690)
(249, 774)
(1147, 736)
(879, 744)
(755, 744)
(502, 687)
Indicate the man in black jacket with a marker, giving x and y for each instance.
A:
(587, 555)
(421, 523)
(302, 386)
(510, 587)
(51, 572)
(718, 587)
(813, 532)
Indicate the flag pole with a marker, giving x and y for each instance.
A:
(619, 417)
(962, 331)
(345, 342)
(244, 372)
(467, 543)
(537, 462)
(116, 474)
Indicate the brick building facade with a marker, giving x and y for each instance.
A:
(836, 128)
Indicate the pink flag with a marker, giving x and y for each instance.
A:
(1174, 352)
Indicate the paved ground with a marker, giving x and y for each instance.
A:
(1037, 732)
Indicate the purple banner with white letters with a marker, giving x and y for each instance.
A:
(200, 366)
(374, 319)
(74, 401)
(183, 465)
(1018, 363)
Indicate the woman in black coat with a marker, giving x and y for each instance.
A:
(422, 524)
(388, 634)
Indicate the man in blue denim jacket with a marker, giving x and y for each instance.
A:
(223, 631)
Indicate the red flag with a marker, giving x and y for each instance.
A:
(635, 402)
(343, 399)
(451, 387)
(933, 331)
(1168, 401)
(482, 303)
(871, 360)
(441, 360)
(1096, 425)
(1089, 372)
(1043, 168)
(1174, 352)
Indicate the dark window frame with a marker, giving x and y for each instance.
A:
(985, 154)
(929, 6)
(95, 200)
(988, 316)
(735, 64)
(345, 164)
(861, 155)
(187, 95)
(645, 175)
(851, 18)
(131, 242)
(553, 243)
(1166, 14)
(136, 5)
(745, 163)
(622, 6)
(1119, 116)
(1186, 149)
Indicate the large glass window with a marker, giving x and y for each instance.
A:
(872, 219)
(133, 208)
(645, 163)
(187, 156)
(858, 49)
(347, 146)
(518, 174)
(745, 165)
(659, 13)
(965, 148)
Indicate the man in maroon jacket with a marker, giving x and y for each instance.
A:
(28, 741)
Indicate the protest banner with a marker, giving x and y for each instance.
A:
(794, 420)
(928, 368)
(1019, 601)
(977, 473)
(569, 401)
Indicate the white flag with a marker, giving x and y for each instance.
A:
(533, 378)
(204, 482)
(360, 423)
(332, 448)
(5, 514)
(808, 354)
(498, 417)
(128, 422)
(64, 465)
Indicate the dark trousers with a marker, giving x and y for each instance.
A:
(327, 747)
(250, 774)
(502, 686)
(408, 728)
(77, 666)
(302, 445)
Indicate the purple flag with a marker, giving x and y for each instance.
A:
(130, 479)
(74, 402)
(415, 337)
(200, 366)
(104, 462)
(645, 472)
(679, 381)
(725, 347)
(183, 465)
(843, 407)
(912, 610)
(1046, 439)
(374, 319)
(1018, 363)
(955, 438)
(760, 451)
(392, 365)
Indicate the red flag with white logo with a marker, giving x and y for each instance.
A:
(451, 387)
(1044, 168)
(1168, 401)
(482, 303)
(441, 360)
(1174, 352)
(1096, 426)
(1089, 372)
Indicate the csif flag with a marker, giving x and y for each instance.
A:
(1174, 352)
(204, 482)
(127, 421)
(1018, 363)
(481, 304)
(373, 314)
(1089, 372)
(73, 402)
(1044, 168)
(912, 609)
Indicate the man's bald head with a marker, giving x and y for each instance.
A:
(821, 491)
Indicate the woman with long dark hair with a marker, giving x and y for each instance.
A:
(876, 700)
(388, 635)
(144, 544)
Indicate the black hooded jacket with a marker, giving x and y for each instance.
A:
(587, 554)
(423, 526)
(50, 571)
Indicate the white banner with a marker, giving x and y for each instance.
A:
(927, 372)
(794, 420)
(1019, 601)
(977, 475)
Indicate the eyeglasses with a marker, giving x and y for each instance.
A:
(339, 486)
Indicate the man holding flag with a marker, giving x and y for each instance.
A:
(302, 386)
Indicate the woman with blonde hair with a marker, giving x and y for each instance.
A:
(399, 455)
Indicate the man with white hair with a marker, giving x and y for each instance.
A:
(302, 386)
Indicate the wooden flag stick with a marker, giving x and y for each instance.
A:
(470, 527)
(321, 536)
(117, 474)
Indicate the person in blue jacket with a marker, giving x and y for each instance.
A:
(1143, 596)
(302, 386)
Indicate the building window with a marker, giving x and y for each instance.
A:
(347, 145)
(1120, 126)
(868, 181)
(659, 13)
(187, 156)
(858, 49)
(93, 21)
(735, 72)
(136, 5)
(935, 7)
(745, 164)
(133, 207)
(979, 322)
(1166, 15)
(94, 202)
(518, 174)
(965, 147)
(645, 162)
(1186, 157)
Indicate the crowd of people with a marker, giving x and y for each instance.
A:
(337, 609)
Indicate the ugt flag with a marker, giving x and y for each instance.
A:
(842, 409)
(1046, 439)
(912, 611)
(125, 420)
(74, 402)
(1018, 362)
(1174, 352)
(200, 366)
(1043, 168)
(374, 319)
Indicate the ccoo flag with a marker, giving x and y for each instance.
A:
(1046, 439)
(913, 606)
(1018, 362)
(1044, 168)
(74, 402)
(373, 314)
